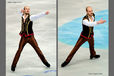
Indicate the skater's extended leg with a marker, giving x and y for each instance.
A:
(80, 41)
(34, 44)
(17, 55)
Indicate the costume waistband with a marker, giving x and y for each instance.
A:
(87, 37)
(23, 34)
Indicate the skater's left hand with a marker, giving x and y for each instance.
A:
(101, 21)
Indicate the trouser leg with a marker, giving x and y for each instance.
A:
(80, 41)
(17, 55)
(34, 44)
(91, 46)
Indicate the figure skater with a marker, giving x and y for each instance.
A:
(87, 33)
(27, 35)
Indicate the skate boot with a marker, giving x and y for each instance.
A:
(13, 68)
(64, 64)
(47, 64)
(96, 56)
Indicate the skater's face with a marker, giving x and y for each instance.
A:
(89, 11)
(26, 10)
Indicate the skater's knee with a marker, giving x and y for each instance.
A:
(77, 45)
(19, 51)
(40, 53)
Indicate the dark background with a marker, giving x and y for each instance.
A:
(2, 37)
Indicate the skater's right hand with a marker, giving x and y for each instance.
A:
(47, 12)
(101, 21)
(22, 11)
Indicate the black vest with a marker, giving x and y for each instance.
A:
(87, 31)
(26, 27)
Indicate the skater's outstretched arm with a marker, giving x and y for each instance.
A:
(35, 17)
(91, 24)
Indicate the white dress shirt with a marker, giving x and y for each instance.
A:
(35, 17)
(89, 23)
